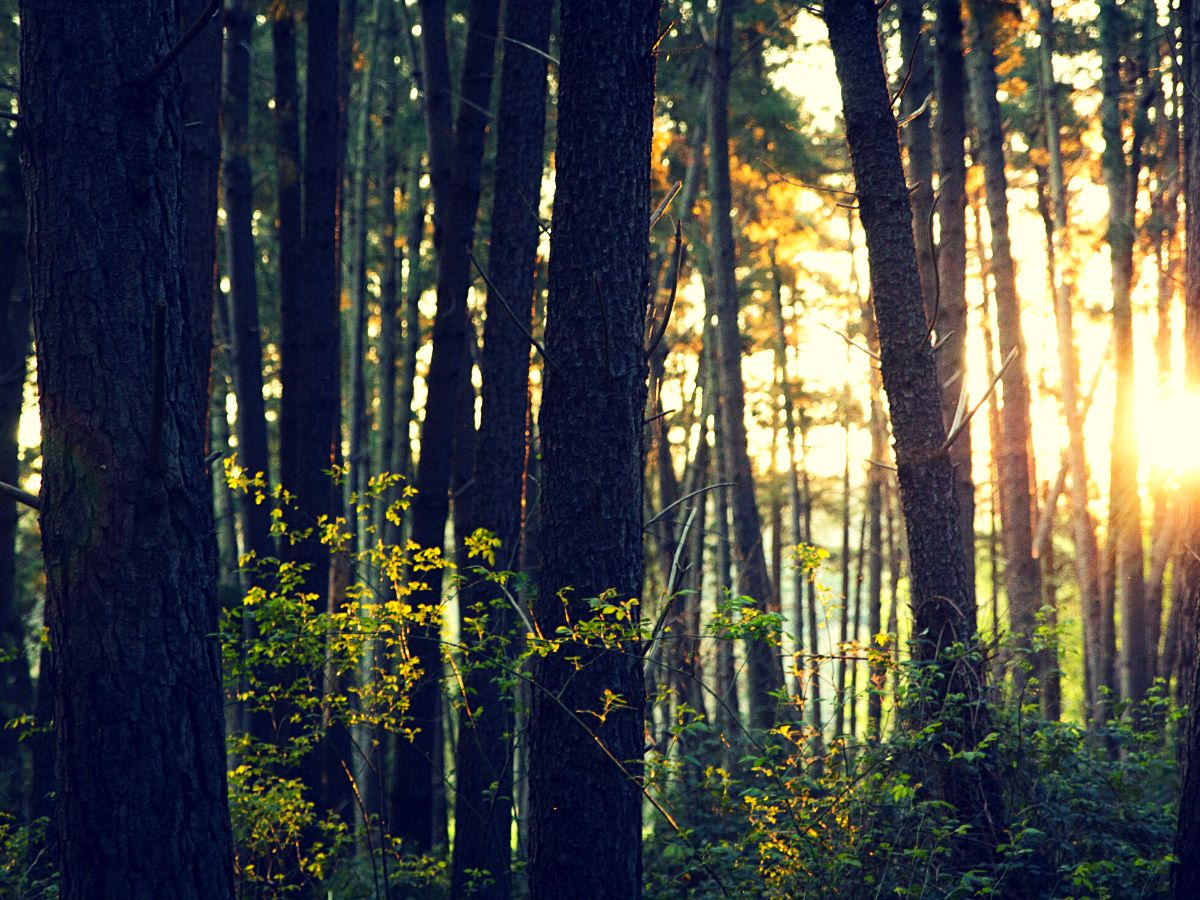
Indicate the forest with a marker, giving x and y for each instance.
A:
(599, 449)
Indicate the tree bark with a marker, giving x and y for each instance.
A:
(455, 158)
(1022, 575)
(942, 605)
(763, 665)
(483, 792)
(585, 800)
(950, 326)
(126, 510)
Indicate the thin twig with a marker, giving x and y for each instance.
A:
(664, 205)
(811, 187)
(542, 53)
(24, 497)
(657, 416)
(958, 429)
(849, 340)
(648, 653)
(180, 45)
(680, 252)
(669, 507)
(508, 309)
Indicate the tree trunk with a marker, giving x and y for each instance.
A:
(839, 709)
(483, 804)
(1125, 514)
(950, 327)
(583, 792)
(1185, 873)
(1021, 574)
(241, 255)
(942, 600)
(455, 159)
(126, 511)
(763, 664)
(16, 688)
(1083, 526)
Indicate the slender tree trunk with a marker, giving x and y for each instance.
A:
(128, 536)
(482, 812)
(1022, 576)
(876, 476)
(16, 688)
(950, 327)
(241, 256)
(582, 788)
(1125, 514)
(795, 502)
(455, 159)
(1083, 527)
(942, 600)
(811, 599)
(839, 711)
(763, 664)
(725, 681)
(1185, 873)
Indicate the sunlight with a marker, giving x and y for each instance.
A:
(1169, 430)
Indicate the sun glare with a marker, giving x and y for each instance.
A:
(1169, 431)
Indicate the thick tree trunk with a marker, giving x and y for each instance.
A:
(126, 510)
(950, 131)
(942, 600)
(583, 792)
(455, 159)
(200, 100)
(763, 665)
(1022, 575)
(483, 793)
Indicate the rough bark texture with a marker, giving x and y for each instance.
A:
(584, 797)
(1022, 575)
(483, 792)
(126, 509)
(950, 132)
(942, 606)
(455, 158)
(763, 666)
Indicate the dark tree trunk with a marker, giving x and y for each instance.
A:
(584, 797)
(16, 688)
(950, 131)
(126, 510)
(455, 158)
(483, 793)
(764, 668)
(1022, 575)
(200, 102)
(1185, 874)
(942, 603)
(241, 257)
(1125, 510)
